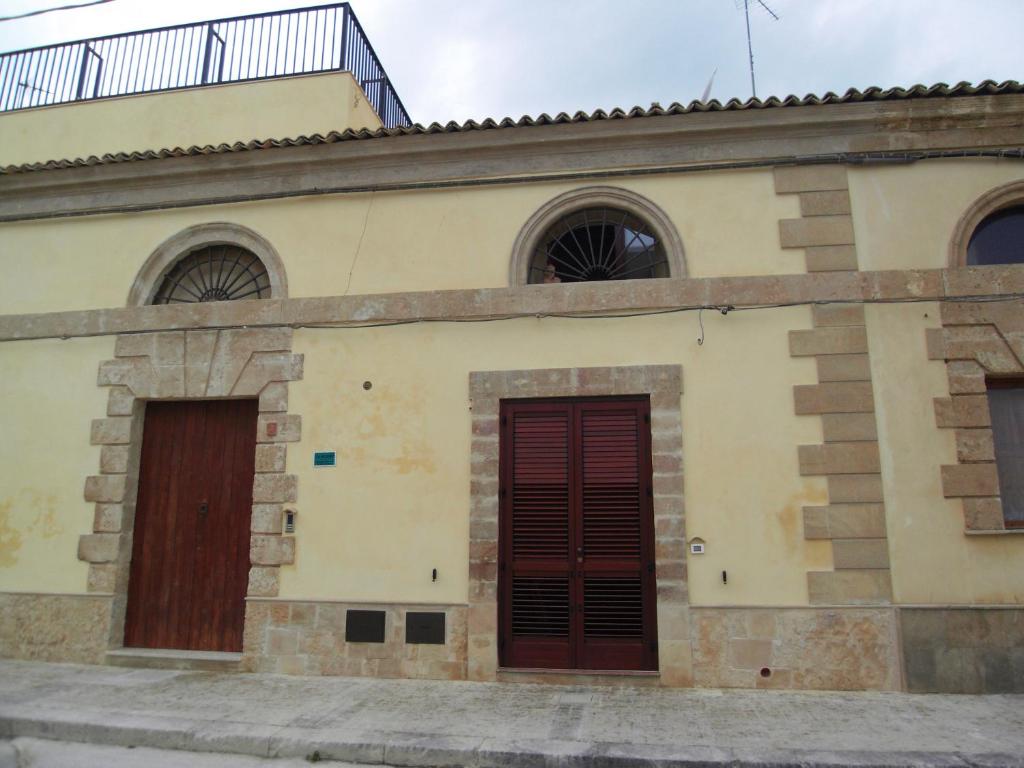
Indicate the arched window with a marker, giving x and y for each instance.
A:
(218, 261)
(597, 234)
(215, 273)
(597, 244)
(998, 239)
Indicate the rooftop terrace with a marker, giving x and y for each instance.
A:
(326, 38)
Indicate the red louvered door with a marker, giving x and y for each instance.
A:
(577, 547)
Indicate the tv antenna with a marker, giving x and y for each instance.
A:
(750, 48)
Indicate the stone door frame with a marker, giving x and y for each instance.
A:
(190, 365)
(664, 385)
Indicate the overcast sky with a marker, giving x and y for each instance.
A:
(461, 59)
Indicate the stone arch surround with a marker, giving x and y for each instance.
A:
(993, 201)
(576, 199)
(174, 248)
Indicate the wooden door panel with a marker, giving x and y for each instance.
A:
(576, 582)
(189, 567)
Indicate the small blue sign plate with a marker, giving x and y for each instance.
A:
(325, 459)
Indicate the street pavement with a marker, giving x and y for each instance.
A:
(99, 712)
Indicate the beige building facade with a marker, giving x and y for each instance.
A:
(817, 487)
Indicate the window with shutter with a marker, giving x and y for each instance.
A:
(577, 579)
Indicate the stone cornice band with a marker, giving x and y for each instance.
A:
(582, 299)
(667, 144)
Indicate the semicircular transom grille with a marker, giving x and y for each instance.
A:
(215, 273)
(598, 244)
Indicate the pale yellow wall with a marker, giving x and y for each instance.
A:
(397, 505)
(49, 395)
(268, 109)
(933, 561)
(904, 215)
(413, 241)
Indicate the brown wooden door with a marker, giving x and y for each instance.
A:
(190, 555)
(576, 563)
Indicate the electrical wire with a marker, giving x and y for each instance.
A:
(41, 11)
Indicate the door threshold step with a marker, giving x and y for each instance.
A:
(630, 678)
(160, 658)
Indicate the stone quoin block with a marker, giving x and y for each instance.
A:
(267, 518)
(825, 203)
(962, 411)
(271, 457)
(115, 430)
(817, 230)
(114, 459)
(834, 315)
(790, 179)
(105, 488)
(108, 518)
(274, 397)
(831, 258)
(120, 401)
(845, 521)
(974, 445)
(839, 458)
(983, 514)
(842, 340)
(843, 368)
(833, 397)
(272, 550)
(848, 427)
(853, 587)
(970, 480)
(965, 377)
(855, 489)
(287, 428)
(860, 553)
(274, 488)
(99, 547)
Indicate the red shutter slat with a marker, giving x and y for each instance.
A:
(540, 486)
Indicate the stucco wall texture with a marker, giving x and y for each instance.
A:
(372, 529)
(303, 105)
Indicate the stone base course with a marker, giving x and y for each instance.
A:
(63, 628)
(802, 648)
(308, 638)
(963, 650)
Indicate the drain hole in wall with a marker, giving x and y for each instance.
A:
(765, 672)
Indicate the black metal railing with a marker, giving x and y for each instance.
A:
(305, 40)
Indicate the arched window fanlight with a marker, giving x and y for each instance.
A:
(598, 243)
(998, 239)
(221, 272)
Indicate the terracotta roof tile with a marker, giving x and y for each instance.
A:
(940, 90)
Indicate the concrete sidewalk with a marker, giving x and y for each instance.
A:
(428, 723)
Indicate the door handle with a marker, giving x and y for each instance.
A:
(204, 508)
(580, 554)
